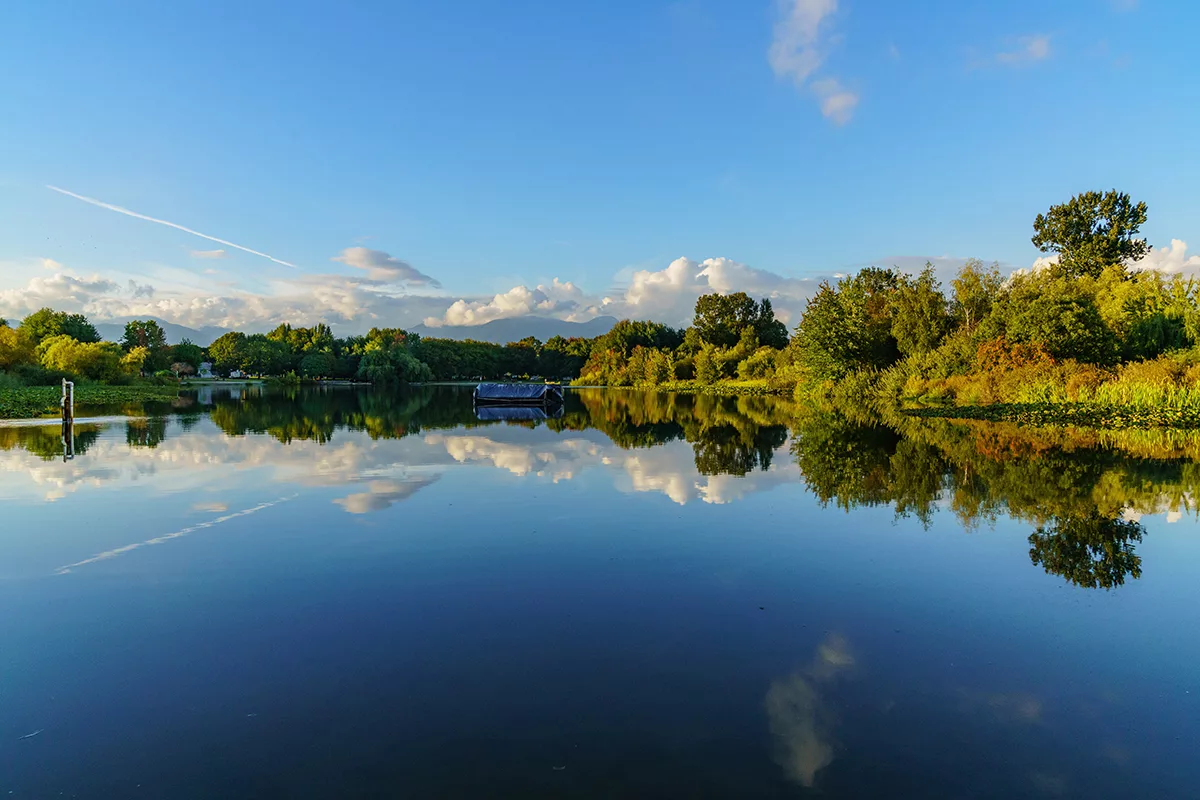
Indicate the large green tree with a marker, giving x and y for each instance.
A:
(920, 314)
(976, 289)
(46, 322)
(227, 352)
(849, 327)
(148, 334)
(1091, 231)
(720, 319)
(188, 353)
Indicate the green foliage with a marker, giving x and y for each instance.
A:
(226, 353)
(188, 353)
(15, 348)
(849, 326)
(46, 322)
(1091, 231)
(707, 369)
(143, 333)
(721, 318)
(98, 361)
(1067, 326)
(920, 314)
(976, 289)
(318, 365)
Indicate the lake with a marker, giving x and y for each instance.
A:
(343, 593)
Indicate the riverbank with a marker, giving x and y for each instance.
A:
(29, 402)
(751, 388)
(1088, 415)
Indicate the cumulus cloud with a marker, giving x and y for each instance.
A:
(383, 267)
(334, 299)
(798, 49)
(556, 299)
(669, 295)
(61, 290)
(1172, 260)
(665, 295)
(218, 253)
(1028, 50)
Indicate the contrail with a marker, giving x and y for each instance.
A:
(107, 554)
(136, 215)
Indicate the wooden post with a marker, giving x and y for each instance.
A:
(68, 419)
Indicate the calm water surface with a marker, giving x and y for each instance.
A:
(349, 594)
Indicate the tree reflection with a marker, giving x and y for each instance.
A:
(45, 441)
(1074, 486)
(146, 431)
(1091, 551)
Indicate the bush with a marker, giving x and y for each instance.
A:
(760, 364)
(37, 375)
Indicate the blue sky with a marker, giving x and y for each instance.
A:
(498, 148)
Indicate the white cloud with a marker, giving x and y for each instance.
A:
(666, 295)
(383, 267)
(1029, 49)
(335, 299)
(176, 226)
(1171, 260)
(556, 299)
(62, 291)
(51, 265)
(1043, 262)
(798, 49)
(837, 104)
(219, 253)
(669, 295)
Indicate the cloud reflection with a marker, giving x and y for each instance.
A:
(383, 494)
(801, 719)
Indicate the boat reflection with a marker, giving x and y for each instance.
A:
(517, 413)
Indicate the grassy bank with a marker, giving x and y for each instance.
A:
(749, 388)
(43, 401)
(1089, 415)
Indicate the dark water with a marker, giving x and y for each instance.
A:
(346, 594)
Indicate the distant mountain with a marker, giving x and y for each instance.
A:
(502, 331)
(114, 329)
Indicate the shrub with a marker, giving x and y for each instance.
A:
(760, 364)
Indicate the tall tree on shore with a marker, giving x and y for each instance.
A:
(1091, 231)
(46, 322)
(920, 314)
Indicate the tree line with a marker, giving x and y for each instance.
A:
(1088, 326)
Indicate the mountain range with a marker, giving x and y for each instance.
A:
(114, 330)
(499, 331)
(502, 331)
